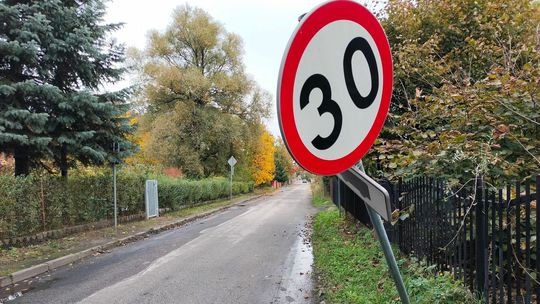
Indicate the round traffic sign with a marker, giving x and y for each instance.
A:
(334, 87)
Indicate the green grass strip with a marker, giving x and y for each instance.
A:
(350, 268)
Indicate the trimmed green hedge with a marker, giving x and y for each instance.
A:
(175, 194)
(84, 199)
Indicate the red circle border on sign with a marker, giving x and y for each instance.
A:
(311, 24)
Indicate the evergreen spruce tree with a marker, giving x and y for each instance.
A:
(280, 173)
(55, 56)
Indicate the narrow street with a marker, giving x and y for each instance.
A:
(251, 253)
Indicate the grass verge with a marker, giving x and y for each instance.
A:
(15, 259)
(350, 268)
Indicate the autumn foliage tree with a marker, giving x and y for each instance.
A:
(141, 138)
(201, 107)
(467, 88)
(262, 164)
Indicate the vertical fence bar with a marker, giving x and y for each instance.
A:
(480, 239)
(399, 203)
(445, 237)
(423, 197)
(537, 288)
(460, 238)
(518, 243)
(510, 249)
(415, 202)
(485, 231)
(454, 229)
(500, 247)
(407, 222)
(429, 223)
(433, 245)
(527, 242)
(500, 260)
(462, 246)
(439, 228)
(420, 216)
(491, 211)
(471, 242)
(423, 217)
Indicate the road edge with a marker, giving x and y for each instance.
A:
(52, 265)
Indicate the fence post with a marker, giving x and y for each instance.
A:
(481, 238)
(399, 204)
(42, 199)
(339, 195)
(537, 287)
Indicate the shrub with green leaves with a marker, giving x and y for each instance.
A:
(175, 193)
(32, 204)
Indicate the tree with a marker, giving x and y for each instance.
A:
(201, 107)
(467, 77)
(263, 161)
(54, 58)
(141, 139)
(283, 162)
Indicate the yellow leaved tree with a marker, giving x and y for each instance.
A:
(262, 163)
(140, 138)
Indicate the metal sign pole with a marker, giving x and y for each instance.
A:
(232, 161)
(114, 191)
(116, 149)
(387, 249)
(230, 184)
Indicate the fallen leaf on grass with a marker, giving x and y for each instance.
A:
(380, 285)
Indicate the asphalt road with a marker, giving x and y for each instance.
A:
(252, 253)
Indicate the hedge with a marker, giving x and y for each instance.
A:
(175, 194)
(33, 204)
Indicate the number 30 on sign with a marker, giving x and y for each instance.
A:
(335, 86)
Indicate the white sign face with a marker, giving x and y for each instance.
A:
(324, 55)
(232, 161)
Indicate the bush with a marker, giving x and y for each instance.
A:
(32, 204)
(175, 194)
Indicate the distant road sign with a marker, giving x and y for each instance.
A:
(335, 86)
(371, 192)
(232, 161)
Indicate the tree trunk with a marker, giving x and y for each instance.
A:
(22, 163)
(63, 162)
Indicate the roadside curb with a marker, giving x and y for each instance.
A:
(51, 265)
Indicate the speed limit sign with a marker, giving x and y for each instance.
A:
(335, 86)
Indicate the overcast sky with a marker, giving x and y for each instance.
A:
(264, 25)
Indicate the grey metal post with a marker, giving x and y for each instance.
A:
(230, 184)
(387, 249)
(116, 149)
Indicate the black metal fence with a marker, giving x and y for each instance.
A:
(484, 236)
